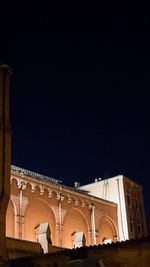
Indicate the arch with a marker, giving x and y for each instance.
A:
(107, 231)
(28, 185)
(13, 178)
(38, 212)
(46, 191)
(10, 219)
(74, 221)
(14, 182)
(37, 187)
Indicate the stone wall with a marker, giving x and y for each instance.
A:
(133, 253)
(34, 202)
(16, 248)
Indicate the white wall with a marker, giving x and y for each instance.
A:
(112, 189)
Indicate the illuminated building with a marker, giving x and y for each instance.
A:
(75, 218)
(102, 212)
(128, 195)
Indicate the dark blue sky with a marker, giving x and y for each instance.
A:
(79, 93)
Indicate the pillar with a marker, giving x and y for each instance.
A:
(59, 225)
(5, 147)
(93, 225)
(20, 202)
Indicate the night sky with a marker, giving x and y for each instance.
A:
(79, 92)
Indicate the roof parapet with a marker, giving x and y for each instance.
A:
(34, 175)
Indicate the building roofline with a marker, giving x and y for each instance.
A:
(100, 181)
(34, 175)
(121, 176)
(23, 173)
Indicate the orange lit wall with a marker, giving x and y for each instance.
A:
(33, 202)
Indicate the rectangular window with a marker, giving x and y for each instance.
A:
(128, 198)
(131, 225)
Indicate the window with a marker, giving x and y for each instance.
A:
(136, 201)
(128, 198)
(131, 225)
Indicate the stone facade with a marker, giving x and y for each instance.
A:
(42, 209)
(75, 218)
(128, 195)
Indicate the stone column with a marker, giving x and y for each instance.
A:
(60, 220)
(93, 225)
(20, 202)
(5, 154)
(20, 212)
(57, 231)
(60, 223)
(22, 205)
(60, 198)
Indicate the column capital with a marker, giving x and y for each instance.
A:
(33, 187)
(21, 184)
(76, 202)
(41, 190)
(60, 197)
(91, 206)
(83, 204)
(50, 194)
